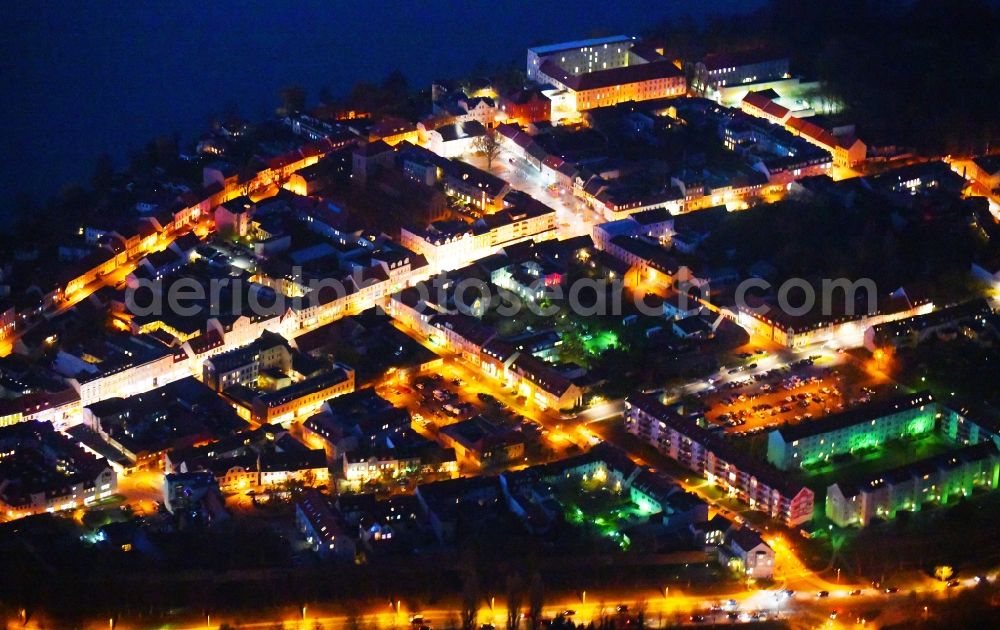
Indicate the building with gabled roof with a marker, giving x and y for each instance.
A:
(719, 70)
(43, 470)
(755, 483)
(611, 86)
(745, 552)
(937, 479)
(584, 55)
(866, 426)
(846, 150)
(318, 521)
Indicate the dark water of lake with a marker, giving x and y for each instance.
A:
(82, 78)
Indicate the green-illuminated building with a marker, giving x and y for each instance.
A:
(859, 428)
(936, 480)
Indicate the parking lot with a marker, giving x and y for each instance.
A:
(752, 399)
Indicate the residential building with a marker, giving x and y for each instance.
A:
(8, 318)
(392, 130)
(525, 105)
(985, 170)
(866, 426)
(747, 554)
(480, 442)
(194, 493)
(755, 483)
(298, 400)
(842, 328)
(583, 56)
(146, 426)
(602, 88)
(911, 331)
(719, 70)
(43, 470)
(456, 243)
(269, 470)
(845, 149)
(316, 519)
(366, 465)
(243, 366)
(937, 480)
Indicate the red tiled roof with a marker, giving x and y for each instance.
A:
(765, 104)
(612, 76)
(813, 131)
(521, 96)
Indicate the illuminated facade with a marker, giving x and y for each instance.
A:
(795, 332)
(298, 400)
(396, 463)
(8, 319)
(603, 88)
(525, 106)
(453, 243)
(846, 150)
(753, 483)
(316, 520)
(870, 426)
(721, 70)
(582, 56)
(746, 553)
(935, 480)
(43, 470)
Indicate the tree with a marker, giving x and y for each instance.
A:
(943, 572)
(470, 600)
(515, 598)
(353, 620)
(510, 77)
(640, 609)
(362, 96)
(293, 99)
(536, 601)
(104, 173)
(395, 88)
(489, 145)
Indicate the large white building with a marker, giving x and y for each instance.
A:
(582, 56)
(452, 244)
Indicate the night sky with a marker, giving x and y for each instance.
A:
(79, 79)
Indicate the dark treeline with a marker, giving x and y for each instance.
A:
(924, 74)
(47, 570)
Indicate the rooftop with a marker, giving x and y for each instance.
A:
(548, 49)
(612, 76)
(855, 416)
